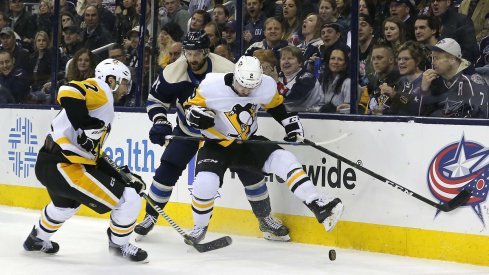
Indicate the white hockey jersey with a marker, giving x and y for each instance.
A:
(235, 116)
(100, 104)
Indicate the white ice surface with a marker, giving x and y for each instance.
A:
(83, 250)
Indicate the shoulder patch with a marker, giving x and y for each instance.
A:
(477, 78)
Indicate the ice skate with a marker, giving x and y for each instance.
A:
(273, 229)
(144, 227)
(327, 213)
(196, 235)
(33, 243)
(127, 251)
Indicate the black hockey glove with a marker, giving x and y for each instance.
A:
(200, 117)
(161, 128)
(89, 139)
(136, 181)
(293, 128)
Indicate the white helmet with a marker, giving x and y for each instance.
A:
(115, 68)
(248, 72)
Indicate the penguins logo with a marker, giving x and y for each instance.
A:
(242, 117)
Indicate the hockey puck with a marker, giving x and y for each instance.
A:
(332, 255)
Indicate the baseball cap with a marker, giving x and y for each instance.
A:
(335, 26)
(366, 18)
(72, 29)
(231, 25)
(451, 47)
(7, 31)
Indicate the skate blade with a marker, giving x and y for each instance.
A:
(330, 222)
(272, 237)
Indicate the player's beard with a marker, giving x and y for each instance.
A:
(196, 66)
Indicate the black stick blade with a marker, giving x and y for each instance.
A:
(213, 245)
(460, 199)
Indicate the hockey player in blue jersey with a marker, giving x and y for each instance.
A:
(175, 84)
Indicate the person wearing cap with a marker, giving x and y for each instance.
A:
(170, 33)
(457, 26)
(365, 45)
(404, 10)
(71, 43)
(21, 56)
(229, 37)
(273, 38)
(448, 92)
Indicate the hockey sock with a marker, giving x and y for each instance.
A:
(203, 194)
(52, 218)
(160, 194)
(121, 233)
(257, 195)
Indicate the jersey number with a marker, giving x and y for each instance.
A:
(91, 87)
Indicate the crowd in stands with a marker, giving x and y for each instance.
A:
(413, 54)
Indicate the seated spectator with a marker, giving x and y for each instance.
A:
(21, 22)
(43, 18)
(40, 60)
(131, 43)
(13, 79)
(365, 45)
(21, 56)
(269, 64)
(273, 38)
(107, 17)
(302, 91)
(253, 28)
(126, 19)
(384, 64)
(71, 44)
(198, 20)
(94, 35)
(311, 30)
(68, 19)
(82, 66)
(169, 34)
(336, 82)
(213, 33)
(393, 31)
(174, 12)
(404, 10)
(328, 11)
(344, 14)
(448, 92)
(229, 36)
(405, 95)
(477, 11)
(427, 30)
(292, 16)
(175, 51)
(224, 51)
(220, 15)
(199, 5)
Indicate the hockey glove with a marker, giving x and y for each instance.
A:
(136, 181)
(161, 128)
(200, 117)
(90, 138)
(293, 128)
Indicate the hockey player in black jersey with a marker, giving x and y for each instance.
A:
(69, 164)
(447, 91)
(175, 84)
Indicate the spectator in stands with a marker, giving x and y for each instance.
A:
(476, 11)
(405, 95)
(367, 7)
(21, 22)
(273, 38)
(126, 19)
(384, 64)
(456, 26)
(198, 20)
(448, 92)
(169, 34)
(131, 45)
(175, 13)
(21, 56)
(253, 28)
(40, 60)
(336, 82)
(302, 91)
(220, 15)
(484, 52)
(229, 36)
(94, 35)
(331, 37)
(71, 43)
(365, 45)
(394, 32)
(485, 28)
(404, 10)
(427, 30)
(224, 51)
(269, 65)
(107, 18)
(68, 19)
(344, 13)
(12, 78)
(212, 32)
(82, 66)
(199, 5)
(328, 11)
(116, 51)
(311, 31)
(175, 51)
(43, 18)
(292, 16)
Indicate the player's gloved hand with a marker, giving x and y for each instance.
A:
(136, 181)
(89, 139)
(200, 117)
(161, 128)
(293, 128)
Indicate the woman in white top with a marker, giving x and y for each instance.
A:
(336, 82)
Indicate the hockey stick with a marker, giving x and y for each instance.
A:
(252, 141)
(457, 201)
(201, 247)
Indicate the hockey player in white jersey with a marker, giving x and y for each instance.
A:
(225, 107)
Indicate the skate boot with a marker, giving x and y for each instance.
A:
(144, 227)
(196, 235)
(273, 229)
(127, 251)
(327, 213)
(33, 243)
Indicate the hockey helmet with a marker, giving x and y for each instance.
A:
(196, 40)
(248, 72)
(115, 68)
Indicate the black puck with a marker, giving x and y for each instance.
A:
(332, 255)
